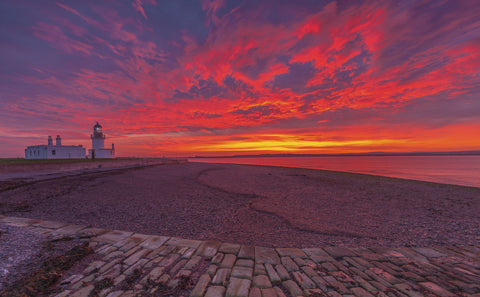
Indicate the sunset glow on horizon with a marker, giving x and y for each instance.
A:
(218, 77)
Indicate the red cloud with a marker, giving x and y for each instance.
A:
(262, 81)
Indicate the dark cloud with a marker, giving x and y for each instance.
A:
(260, 65)
(230, 88)
(297, 77)
(425, 113)
(257, 112)
(309, 100)
(172, 17)
(238, 87)
(205, 115)
(207, 88)
(425, 28)
(433, 112)
(179, 95)
(351, 69)
(203, 89)
(348, 117)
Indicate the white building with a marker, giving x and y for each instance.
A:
(98, 144)
(57, 151)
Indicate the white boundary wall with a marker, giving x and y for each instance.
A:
(55, 152)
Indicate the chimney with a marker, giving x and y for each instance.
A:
(58, 141)
(113, 147)
(50, 141)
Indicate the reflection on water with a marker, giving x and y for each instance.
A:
(459, 170)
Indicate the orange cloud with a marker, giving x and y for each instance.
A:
(340, 77)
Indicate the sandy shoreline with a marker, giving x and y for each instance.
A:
(257, 205)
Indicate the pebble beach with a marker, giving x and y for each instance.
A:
(257, 205)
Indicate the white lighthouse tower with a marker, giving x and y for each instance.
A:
(98, 138)
(98, 144)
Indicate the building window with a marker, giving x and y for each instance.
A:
(53, 152)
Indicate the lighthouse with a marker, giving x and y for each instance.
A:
(98, 144)
(98, 138)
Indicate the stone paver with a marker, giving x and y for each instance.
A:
(242, 272)
(289, 264)
(291, 252)
(279, 292)
(202, 284)
(215, 269)
(113, 236)
(436, 289)
(215, 291)
(192, 262)
(293, 288)
(255, 292)
(221, 276)
(238, 287)
(70, 229)
(259, 269)
(303, 280)
(208, 248)
(282, 272)
(83, 292)
(228, 261)
(19, 222)
(229, 248)
(183, 242)
(315, 252)
(49, 224)
(169, 260)
(115, 294)
(217, 259)
(269, 292)
(429, 252)
(211, 270)
(154, 242)
(136, 257)
(272, 274)
(262, 281)
(245, 263)
(246, 252)
(266, 255)
(339, 252)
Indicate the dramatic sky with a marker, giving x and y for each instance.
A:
(221, 77)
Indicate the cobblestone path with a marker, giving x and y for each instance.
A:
(129, 264)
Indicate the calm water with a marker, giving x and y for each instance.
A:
(459, 170)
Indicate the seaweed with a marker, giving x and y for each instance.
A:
(39, 282)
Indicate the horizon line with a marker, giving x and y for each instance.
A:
(414, 153)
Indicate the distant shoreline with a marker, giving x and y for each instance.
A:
(377, 154)
(447, 169)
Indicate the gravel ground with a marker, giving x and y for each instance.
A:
(23, 252)
(13, 240)
(257, 205)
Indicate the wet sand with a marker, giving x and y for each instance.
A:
(257, 205)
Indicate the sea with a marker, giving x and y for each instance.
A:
(447, 169)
